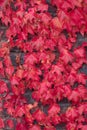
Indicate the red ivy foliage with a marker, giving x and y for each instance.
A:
(52, 61)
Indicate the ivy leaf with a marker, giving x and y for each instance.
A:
(10, 123)
(56, 23)
(1, 123)
(39, 115)
(1, 2)
(21, 126)
(3, 87)
(53, 109)
(19, 112)
(35, 127)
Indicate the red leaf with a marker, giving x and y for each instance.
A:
(54, 109)
(10, 123)
(1, 123)
(55, 119)
(49, 128)
(1, 2)
(39, 115)
(19, 112)
(42, 7)
(56, 23)
(21, 126)
(3, 87)
(30, 59)
(35, 127)
(74, 96)
(71, 114)
(79, 52)
(71, 126)
(14, 80)
(66, 56)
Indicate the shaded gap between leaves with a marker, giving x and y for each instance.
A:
(28, 96)
(83, 69)
(52, 9)
(13, 58)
